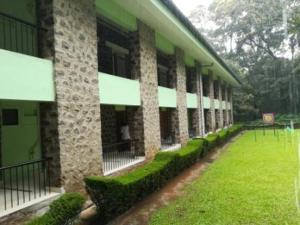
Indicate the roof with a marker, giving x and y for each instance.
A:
(187, 23)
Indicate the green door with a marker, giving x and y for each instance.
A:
(20, 136)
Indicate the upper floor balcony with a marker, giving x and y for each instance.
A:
(18, 35)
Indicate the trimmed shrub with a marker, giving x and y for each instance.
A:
(115, 195)
(61, 211)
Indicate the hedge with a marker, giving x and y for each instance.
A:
(115, 195)
(61, 211)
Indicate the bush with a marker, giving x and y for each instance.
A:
(115, 195)
(61, 210)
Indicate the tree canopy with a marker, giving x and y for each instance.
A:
(260, 41)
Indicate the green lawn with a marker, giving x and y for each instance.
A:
(253, 182)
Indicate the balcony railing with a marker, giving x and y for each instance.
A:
(23, 183)
(18, 35)
(119, 155)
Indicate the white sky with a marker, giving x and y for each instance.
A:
(186, 6)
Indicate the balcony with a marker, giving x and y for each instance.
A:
(24, 76)
(23, 185)
(18, 36)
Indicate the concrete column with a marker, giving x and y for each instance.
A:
(200, 106)
(220, 114)
(226, 106)
(211, 114)
(71, 127)
(144, 68)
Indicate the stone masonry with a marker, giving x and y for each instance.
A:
(200, 106)
(179, 116)
(220, 116)
(211, 120)
(231, 105)
(71, 127)
(144, 68)
(226, 106)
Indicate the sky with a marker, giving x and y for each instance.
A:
(186, 6)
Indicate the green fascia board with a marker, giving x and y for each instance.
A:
(191, 101)
(189, 60)
(223, 105)
(217, 104)
(24, 77)
(228, 105)
(109, 9)
(163, 44)
(167, 97)
(206, 102)
(114, 90)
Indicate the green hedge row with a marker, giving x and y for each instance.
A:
(115, 195)
(61, 211)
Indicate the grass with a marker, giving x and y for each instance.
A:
(252, 183)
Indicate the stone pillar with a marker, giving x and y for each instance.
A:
(144, 68)
(211, 114)
(200, 106)
(178, 75)
(226, 107)
(71, 127)
(231, 106)
(220, 114)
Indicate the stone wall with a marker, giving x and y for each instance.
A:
(226, 107)
(71, 127)
(179, 117)
(109, 125)
(211, 120)
(144, 68)
(200, 106)
(220, 116)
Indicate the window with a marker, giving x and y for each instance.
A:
(10, 117)
(113, 56)
(164, 78)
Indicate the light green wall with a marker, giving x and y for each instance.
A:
(167, 97)
(21, 143)
(191, 101)
(223, 104)
(22, 9)
(114, 90)
(25, 77)
(164, 44)
(112, 11)
(217, 104)
(206, 102)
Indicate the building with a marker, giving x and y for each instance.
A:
(89, 87)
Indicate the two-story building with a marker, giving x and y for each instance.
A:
(91, 87)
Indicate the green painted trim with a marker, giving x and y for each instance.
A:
(191, 101)
(24, 77)
(120, 108)
(167, 97)
(117, 14)
(164, 44)
(217, 104)
(206, 102)
(189, 60)
(114, 90)
(223, 104)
